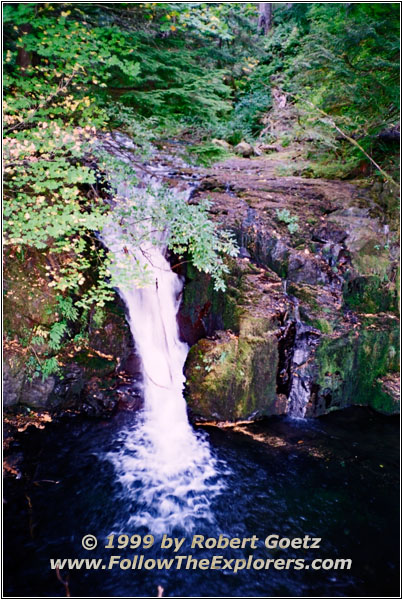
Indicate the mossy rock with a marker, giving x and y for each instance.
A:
(111, 337)
(234, 377)
(306, 294)
(349, 367)
(323, 325)
(30, 302)
(371, 294)
(318, 307)
(13, 377)
(205, 310)
(371, 285)
(199, 292)
(28, 299)
(371, 282)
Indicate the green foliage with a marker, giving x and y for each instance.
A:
(44, 368)
(352, 53)
(56, 334)
(245, 119)
(154, 70)
(192, 231)
(71, 71)
(285, 216)
(205, 154)
(141, 130)
(331, 167)
(160, 216)
(343, 59)
(67, 308)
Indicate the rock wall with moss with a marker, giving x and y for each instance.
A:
(86, 365)
(312, 252)
(232, 374)
(340, 269)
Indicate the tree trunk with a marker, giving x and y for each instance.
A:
(24, 58)
(265, 17)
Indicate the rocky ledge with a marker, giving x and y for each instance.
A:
(309, 321)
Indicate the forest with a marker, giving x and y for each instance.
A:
(201, 259)
(194, 71)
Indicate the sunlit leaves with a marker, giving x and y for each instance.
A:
(160, 216)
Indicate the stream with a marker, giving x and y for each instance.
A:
(160, 461)
(152, 472)
(328, 477)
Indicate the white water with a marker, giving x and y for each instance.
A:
(165, 468)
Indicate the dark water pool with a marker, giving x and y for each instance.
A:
(336, 478)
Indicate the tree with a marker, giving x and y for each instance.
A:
(24, 58)
(62, 67)
(265, 17)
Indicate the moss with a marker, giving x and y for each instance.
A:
(113, 336)
(233, 377)
(28, 300)
(348, 367)
(93, 362)
(280, 267)
(370, 294)
(370, 286)
(323, 325)
(305, 294)
(372, 259)
(377, 355)
(225, 308)
(31, 307)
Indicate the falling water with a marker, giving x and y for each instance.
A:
(164, 467)
(306, 338)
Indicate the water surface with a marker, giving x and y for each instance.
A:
(336, 477)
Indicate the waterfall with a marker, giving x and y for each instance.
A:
(306, 339)
(165, 468)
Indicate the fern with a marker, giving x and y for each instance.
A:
(56, 334)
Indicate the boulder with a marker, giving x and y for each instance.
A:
(232, 375)
(35, 393)
(244, 149)
(13, 379)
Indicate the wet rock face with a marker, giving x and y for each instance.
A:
(88, 380)
(301, 380)
(351, 368)
(232, 375)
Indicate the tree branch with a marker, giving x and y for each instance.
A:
(350, 139)
(60, 88)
